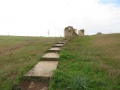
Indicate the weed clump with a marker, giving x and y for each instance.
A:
(64, 81)
(79, 82)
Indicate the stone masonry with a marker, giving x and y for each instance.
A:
(81, 32)
(71, 32)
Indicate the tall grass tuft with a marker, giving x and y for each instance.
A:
(79, 82)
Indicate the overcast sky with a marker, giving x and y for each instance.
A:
(36, 17)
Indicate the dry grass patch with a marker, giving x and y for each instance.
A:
(20, 54)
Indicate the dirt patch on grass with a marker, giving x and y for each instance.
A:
(34, 85)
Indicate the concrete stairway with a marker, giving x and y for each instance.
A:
(40, 75)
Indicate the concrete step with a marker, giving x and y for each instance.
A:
(58, 45)
(51, 56)
(54, 49)
(61, 42)
(43, 69)
(65, 40)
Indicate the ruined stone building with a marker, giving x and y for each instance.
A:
(81, 32)
(71, 32)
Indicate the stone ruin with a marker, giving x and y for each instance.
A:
(71, 32)
(81, 32)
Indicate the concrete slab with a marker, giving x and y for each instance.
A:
(65, 40)
(51, 56)
(61, 42)
(54, 49)
(43, 69)
(58, 45)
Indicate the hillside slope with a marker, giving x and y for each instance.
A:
(89, 63)
(18, 55)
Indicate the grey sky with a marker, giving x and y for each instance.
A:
(36, 17)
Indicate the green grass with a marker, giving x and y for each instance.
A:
(89, 63)
(18, 55)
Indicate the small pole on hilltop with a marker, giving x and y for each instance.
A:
(48, 33)
(110, 31)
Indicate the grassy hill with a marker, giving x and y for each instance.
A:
(20, 54)
(89, 63)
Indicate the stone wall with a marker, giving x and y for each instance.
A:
(81, 32)
(70, 32)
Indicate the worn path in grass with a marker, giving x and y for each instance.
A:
(38, 78)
